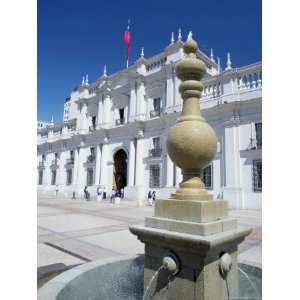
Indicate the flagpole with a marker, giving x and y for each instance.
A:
(128, 29)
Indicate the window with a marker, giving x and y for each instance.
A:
(40, 177)
(207, 176)
(156, 150)
(156, 105)
(53, 177)
(69, 176)
(258, 130)
(90, 177)
(121, 120)
(257, 175)
(156, 143)
(154, 176)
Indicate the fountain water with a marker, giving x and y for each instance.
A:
(190, 223)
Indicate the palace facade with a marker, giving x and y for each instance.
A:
(114, 132)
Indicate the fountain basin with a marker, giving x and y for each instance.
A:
(122, 278)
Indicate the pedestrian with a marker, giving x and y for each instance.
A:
(122, 193)
(150, 200)
(154, 196)
(117, 197)
(112, 196)
(104, 193)
(99, 193)
(86, 193)
(73, 195)
(56, 191)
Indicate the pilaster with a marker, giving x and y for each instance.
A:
(140, 168)
(233, 188)
(98, 165)
(131, 166)
(103, 165)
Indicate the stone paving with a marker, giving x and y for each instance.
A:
(72, 232)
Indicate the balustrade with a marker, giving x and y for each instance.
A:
(155, 152)
(156, 64)
(250, 78)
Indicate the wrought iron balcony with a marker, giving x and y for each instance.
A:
(154, 113)
(70, 161)
(155, 152)
(120, 121)
(54, 162)
(91, 159)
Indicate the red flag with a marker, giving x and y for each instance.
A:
(127, 42)
(126, 39)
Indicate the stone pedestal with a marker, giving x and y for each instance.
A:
(197, 233)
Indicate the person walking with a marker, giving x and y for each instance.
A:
(122, 193)
(153, 196)
(56, 191)
(86, 193)
(150, 200)
(104, 193)
(99, 193)
(112, 196)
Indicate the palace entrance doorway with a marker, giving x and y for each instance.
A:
(120, 170)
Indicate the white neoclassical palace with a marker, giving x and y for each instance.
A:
(114, 132)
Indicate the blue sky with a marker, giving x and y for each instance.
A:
(79, 37)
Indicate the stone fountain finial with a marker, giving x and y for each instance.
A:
(191, 143)
(190, 234)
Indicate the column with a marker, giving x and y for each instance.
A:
(132, 101)
(178, 99)
(47, 171)
(178, 176)
(98, 164)
(103, 165)
(131, 165)
(75, 169)
(170, 90)
(61, 180)
(100, 112)
(83, 121)
(140, 169)
(81, 173)
(107, 109)
(140, 153)
(142, 109)
(169, 165)
(232, 190)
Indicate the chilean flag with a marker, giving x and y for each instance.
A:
(127, 41)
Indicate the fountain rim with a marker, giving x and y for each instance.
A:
(53, 287)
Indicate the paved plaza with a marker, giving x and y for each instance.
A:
(72, 232)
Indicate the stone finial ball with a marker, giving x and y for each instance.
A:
(191, 144)
(190, 46)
